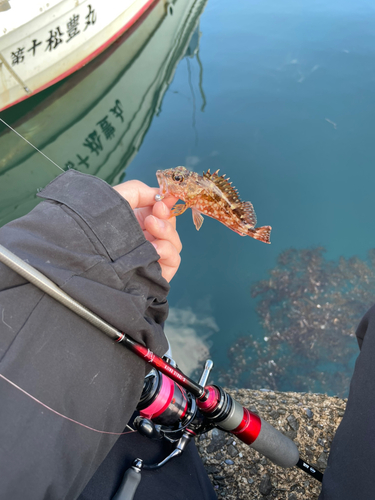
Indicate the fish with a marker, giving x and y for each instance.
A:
(212, 195)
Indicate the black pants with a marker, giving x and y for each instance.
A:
(183, 478)
(351, 463)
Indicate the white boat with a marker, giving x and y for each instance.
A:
(43, 42)
(95, 120)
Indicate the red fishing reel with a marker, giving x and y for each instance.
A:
(166, 409)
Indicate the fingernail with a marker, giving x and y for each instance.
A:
(163, 209)
(159, 222)
(166, 210)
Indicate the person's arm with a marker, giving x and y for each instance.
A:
(86, 238)
(349, 474)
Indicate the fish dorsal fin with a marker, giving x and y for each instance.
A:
(243, 209)
(229, 191)
(246, 213)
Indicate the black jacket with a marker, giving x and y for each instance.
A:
(86, 239)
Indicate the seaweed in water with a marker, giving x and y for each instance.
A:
(309, 308)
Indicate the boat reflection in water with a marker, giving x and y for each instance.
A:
(95, 120)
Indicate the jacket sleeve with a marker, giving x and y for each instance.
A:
(61, 379)
(352, 457)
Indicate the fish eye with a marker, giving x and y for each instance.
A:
(178, 177)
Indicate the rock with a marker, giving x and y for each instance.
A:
(232, 450)
(309, 413)
(265, 486)
(211, 469)
(299, 489)
(202, 437)
(274, 414)
(322, 461)
(218, 439)
(291, 434)
(309, 431)
(292, 421)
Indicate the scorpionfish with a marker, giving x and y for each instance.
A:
(212, 195)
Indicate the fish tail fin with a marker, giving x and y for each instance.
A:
(261, 233)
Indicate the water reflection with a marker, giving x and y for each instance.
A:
(308, 308)
(189, 335)
(96, 120)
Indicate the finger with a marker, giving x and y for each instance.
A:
(141, 214)
(170, 200)
(161, 211)
(163, 230)
(148, 236)
(140, 195)
(169, 258)
(137, 193)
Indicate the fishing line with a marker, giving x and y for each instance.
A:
(32, 145)
(64, 416)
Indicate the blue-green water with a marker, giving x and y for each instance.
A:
(288, 97)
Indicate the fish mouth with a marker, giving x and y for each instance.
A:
(162, 182)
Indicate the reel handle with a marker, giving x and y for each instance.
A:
(206, 372)
(130, 481)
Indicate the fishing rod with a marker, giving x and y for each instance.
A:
(172, 405)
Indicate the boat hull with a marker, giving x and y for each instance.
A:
(58, 42)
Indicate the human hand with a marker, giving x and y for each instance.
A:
(154, 219)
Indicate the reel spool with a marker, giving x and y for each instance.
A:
(166, 409)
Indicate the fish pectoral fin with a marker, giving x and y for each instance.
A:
(197, 218)
(178, 209)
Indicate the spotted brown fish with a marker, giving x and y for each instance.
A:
(212, 195)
